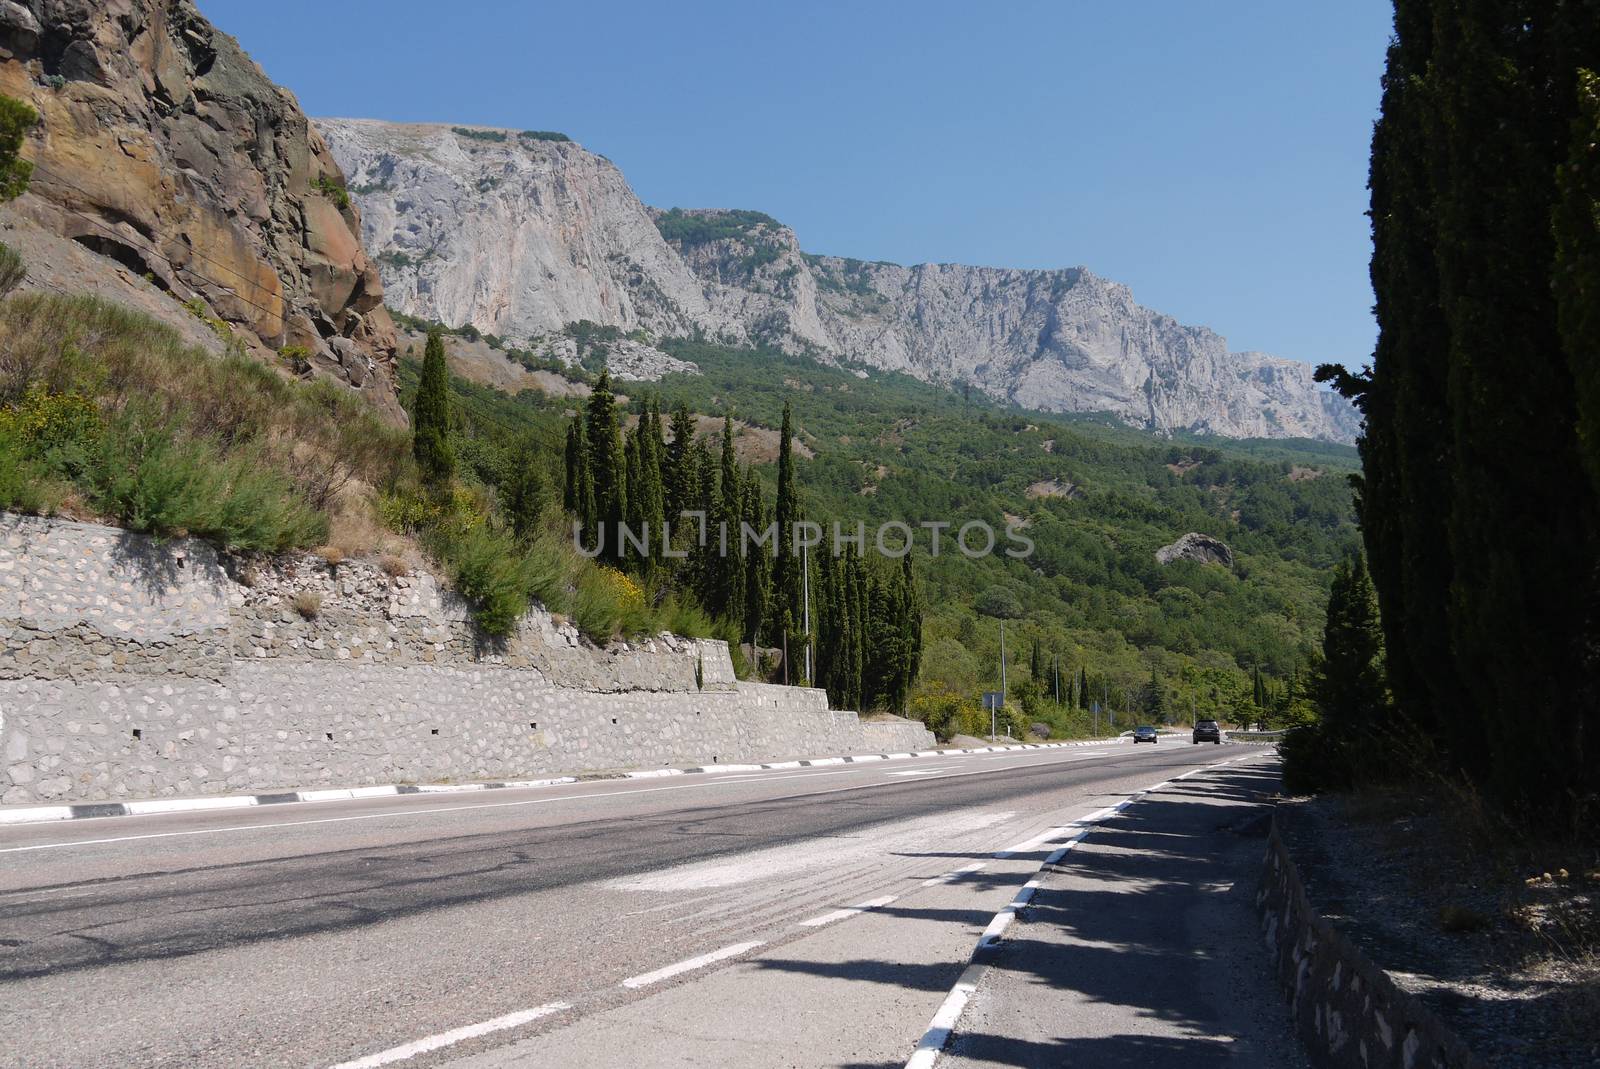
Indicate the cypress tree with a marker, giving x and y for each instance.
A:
(632, 503)
(1348, 689)
(1523, 511)
(1577, 272)
(728, 597)
(1477, 505)
(572, 468)
(757, 563)
(858, 626)
(881, 661)
(607, 465)
(677, 472)
(646, 506)
(1157, 703)
(525, 493)
(705, 498)
(1083, 687)
(911, 610)
(430, 417)
(786, 584)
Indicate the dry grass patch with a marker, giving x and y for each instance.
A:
(308, 604)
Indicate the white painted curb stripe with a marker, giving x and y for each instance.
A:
(454, 1036)
(944, 1021)
(183, 805)
(83, 810)
(645, 980)
(36, 814)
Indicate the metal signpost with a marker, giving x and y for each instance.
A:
(993, 700)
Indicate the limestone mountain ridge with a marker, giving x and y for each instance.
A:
(522, 234)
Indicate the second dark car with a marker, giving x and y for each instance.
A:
(1207, 731)
(1145, 733)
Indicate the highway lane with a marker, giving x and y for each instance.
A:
(324, 933)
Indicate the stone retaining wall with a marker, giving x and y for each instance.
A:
(1348, 1012)
(130, 670)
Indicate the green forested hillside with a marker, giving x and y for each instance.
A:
(1097, 500)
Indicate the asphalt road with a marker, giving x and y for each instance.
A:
(811, 917)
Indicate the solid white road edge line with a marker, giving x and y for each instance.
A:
(454, 1036)
(943, 1025)
(633, 983)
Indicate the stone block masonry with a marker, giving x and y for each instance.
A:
(1347, 1010)
(131, 669)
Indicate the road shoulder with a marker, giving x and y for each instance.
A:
(1140, 947)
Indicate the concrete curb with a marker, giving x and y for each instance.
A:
(92, 810)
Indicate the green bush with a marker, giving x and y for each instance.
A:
(553, 568)
(16, 119)
(333, 190)
(543, 135)
(1314, 760)
(12, 270)
(488, 568)
(26, 484)
(690, 230)
(158, 436)
(478, 135)
(683, 616)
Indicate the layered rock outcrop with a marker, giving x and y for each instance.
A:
(521, 236)
(1202, 549)
(165, 148)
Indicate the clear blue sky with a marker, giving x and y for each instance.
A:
(1213, 156)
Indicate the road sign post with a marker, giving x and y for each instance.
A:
(993, 700)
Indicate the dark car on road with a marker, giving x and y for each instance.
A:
(1145, 733)
(1207, 731)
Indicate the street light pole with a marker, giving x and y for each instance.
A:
(805, 585)
(1002, 679)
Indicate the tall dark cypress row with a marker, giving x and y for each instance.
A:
(1522, 517)
(1476, 505)
(1577, 227)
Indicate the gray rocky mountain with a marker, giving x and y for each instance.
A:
(521, 235)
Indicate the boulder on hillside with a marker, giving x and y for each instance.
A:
(1202, 549)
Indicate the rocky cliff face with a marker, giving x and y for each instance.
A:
(520, 237)
(163, 147)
